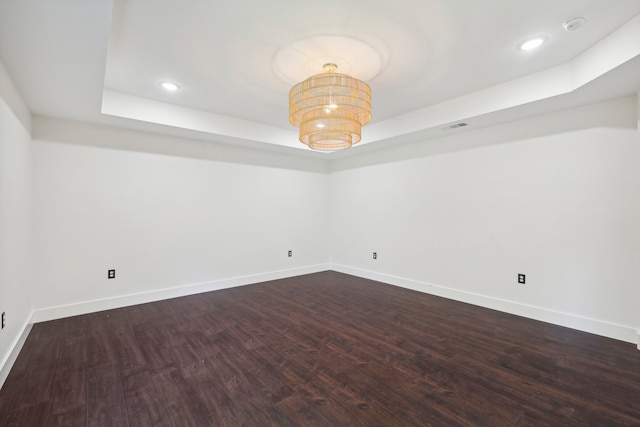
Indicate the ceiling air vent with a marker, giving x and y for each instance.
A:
(455, 126)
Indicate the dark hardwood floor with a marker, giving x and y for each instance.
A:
(325, 349)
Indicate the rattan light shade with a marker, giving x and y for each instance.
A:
(330, 109)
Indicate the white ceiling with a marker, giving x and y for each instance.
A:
(430, 63)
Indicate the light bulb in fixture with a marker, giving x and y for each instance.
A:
(171, 87)
(328, 108)
(320, 125)
(532, 44)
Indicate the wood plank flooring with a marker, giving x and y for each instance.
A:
(324, 349)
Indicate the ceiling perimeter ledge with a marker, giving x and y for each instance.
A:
(620, 47)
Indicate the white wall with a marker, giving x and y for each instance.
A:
(636, 298)
(15, 233)
(555, 197)
(183, 223)
(559, 205)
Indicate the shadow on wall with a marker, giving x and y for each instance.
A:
(230, 151)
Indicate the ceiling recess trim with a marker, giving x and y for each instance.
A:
(615, 50)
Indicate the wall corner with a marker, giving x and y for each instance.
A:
(10, 94)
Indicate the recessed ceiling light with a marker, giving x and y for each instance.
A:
(532, 44)
(171, 87)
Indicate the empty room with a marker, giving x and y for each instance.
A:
(337, 213)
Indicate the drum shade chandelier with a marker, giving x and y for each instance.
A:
(330, 109)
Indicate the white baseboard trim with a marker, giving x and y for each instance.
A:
(16, 346)
(585, 324)
(59, 312)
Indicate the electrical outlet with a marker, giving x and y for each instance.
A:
(4, 319)
(521, 279)
(111, 274)
(290, 254)
(375, 255)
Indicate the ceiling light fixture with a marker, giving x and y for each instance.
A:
(532, 44)
(330, 109)
(171, 87)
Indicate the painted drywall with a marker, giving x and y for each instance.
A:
(553, 197)
(165, 222)
(637, 295)
(15, 232)
(559, 202)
